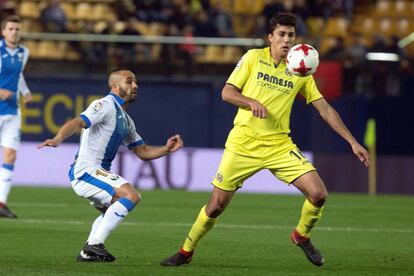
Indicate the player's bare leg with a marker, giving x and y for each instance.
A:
(218, 202)
(315, 192)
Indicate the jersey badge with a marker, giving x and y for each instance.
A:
(288, 73)
(97, 106)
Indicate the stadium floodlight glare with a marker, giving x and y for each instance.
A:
(383, 57)
(406, 40)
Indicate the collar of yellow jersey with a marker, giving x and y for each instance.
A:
(268, 55)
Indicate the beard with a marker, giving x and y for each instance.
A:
(130, 100)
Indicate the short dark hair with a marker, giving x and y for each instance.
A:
(10, 18)
(284, 19)
(115, 72)
(118, 69)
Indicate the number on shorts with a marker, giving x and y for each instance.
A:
(298, 155)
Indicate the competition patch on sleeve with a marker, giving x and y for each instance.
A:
(240, 62)
(97, 106)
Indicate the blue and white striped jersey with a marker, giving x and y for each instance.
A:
(108, 125)
(12, 63)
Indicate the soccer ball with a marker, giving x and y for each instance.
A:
(302, 60)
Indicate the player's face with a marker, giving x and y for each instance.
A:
(11, 33)
(128, 87)
(282, 39)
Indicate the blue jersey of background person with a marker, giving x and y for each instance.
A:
(12, 62)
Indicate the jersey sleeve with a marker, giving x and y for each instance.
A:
(23, 88)
(310, 91)
(97, 112)
(133, 139)
(242, 71)
(26, 54)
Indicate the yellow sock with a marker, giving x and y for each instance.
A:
(310, 216)
(201, 226)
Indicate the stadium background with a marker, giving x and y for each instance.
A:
(75, 43)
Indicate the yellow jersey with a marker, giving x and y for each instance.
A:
(274, 87)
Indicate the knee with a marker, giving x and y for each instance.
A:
(318, 198)
(135, 197)
(213, 210)
(128, 192)
(10, 157)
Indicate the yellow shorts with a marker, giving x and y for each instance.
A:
(244, 156)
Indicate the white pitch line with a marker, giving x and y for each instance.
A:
(40, 205)
(236, 226)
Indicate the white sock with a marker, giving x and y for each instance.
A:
(5, 184)
(95, 225)
(112, 218)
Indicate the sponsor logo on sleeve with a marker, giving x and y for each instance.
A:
(240, 62)
(97, 106)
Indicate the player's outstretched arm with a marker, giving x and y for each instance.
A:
(329, 115)
(67, 130)
(146, 152)
(231, 94)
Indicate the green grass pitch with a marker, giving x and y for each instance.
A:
(358, 235)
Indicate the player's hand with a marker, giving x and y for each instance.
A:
(174, 143)
(361, 153)
(27, 98)
(5, 94)
(49, 143)
(258, 110)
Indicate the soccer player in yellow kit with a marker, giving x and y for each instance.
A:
(264, 90)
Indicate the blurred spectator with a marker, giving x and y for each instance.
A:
(354, 66)
(301, 10)
(348, 9)
(321, 8)
(357, 50)
(337, 51)
(179, 15)
(188, 50)
(53, 17)
(394, 68)
(148, 11)
(407, 78)
(394, 48)
(378, 45)
(124, 9)
(96, 52)
(130, 51)
(378, 70)
(222, 21)
(272, 7)
(7, 8)
(169, 52)
(195, 6)
(203, 25)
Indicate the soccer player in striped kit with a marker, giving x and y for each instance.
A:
(106, 126)
(13, 58)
